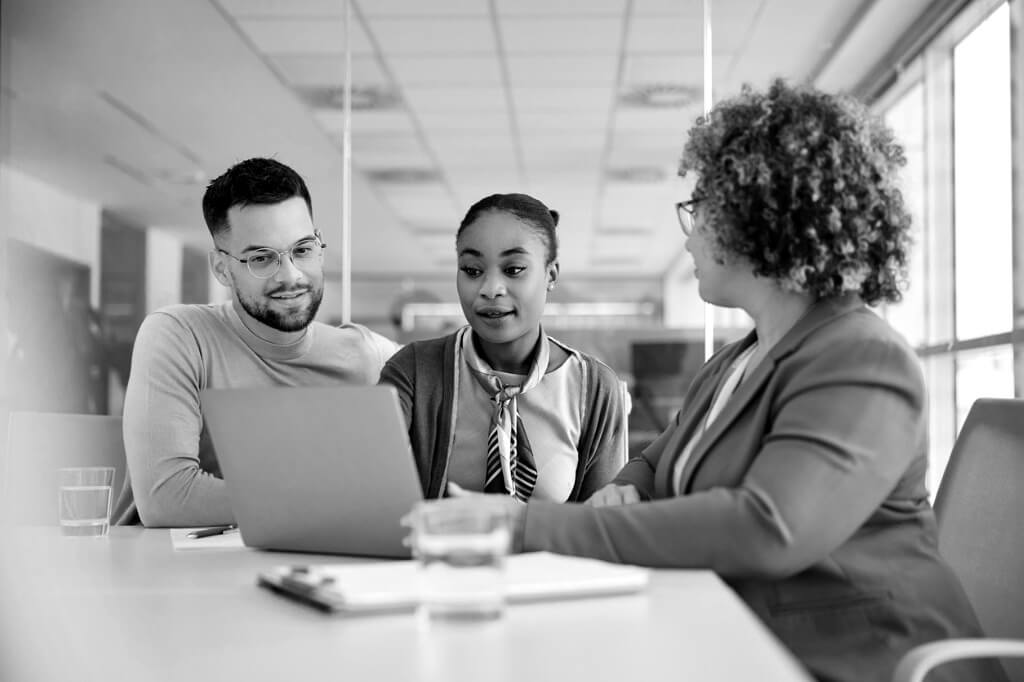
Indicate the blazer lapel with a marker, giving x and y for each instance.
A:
(819, 314)
(689, 420)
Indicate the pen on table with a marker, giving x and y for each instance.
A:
(207, 532)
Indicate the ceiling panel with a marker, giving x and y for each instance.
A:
(333, 121)
(466, 157)
(652, 34)
(556, 7)
(548, 121)
(691, 9)
(329, 70)
(456, 99)
(438, 72)
(548, 99)
(304, 36)
(276, 8)
(562, 35)
(364, 141)
(543, 153)
(465, 122)
(464, 150)
(775, 40)
(591, 70)
(552, 119)
(429, 35)
(647, 120)
(665, 68)
(406, 8)
(428, 204)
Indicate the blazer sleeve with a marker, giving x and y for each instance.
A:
(844, 423)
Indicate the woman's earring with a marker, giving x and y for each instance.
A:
(551, 286)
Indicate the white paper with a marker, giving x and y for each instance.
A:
(528, 577)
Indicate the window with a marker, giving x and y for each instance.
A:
(953, 112)
(906, 118)
(982, 151)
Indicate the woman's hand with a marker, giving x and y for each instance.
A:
(613, 495)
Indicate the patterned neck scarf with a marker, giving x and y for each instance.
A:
(510, 465)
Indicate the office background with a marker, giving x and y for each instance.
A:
(116, 113)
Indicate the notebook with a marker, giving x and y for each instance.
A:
(393, 586)
(326, 470)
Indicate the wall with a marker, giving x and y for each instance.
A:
(48, 218)
(163, 269)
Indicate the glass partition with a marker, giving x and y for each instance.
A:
(117, 113)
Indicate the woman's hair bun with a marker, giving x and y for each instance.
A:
(554, 215)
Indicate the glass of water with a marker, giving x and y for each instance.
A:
(84, 496)
(461, 545)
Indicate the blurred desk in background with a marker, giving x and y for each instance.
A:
(129, 607)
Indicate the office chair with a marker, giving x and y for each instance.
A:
(979, 508)
(39, 443)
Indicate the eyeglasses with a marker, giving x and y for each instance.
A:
(264, 263)
(685, 211)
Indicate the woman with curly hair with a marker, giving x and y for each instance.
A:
(796, 468)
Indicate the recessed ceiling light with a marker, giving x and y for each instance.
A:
(364, 98)
(404, 176)
(635, 174)
(612, 261)
(660, 96)
(187, 178)
(622, 230)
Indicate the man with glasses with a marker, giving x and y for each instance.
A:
(269, 254)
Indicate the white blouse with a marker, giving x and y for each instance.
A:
(725, 391)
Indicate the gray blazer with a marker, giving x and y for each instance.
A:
(806, 495)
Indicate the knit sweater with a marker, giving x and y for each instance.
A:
(424, 374)
(174, 478)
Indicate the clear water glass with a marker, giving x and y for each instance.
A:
(84, 498)
(461, 546)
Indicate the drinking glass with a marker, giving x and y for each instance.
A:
(461, 546)
(84, 496)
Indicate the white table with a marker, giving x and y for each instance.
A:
(129, 607)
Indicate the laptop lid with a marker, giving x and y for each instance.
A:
(326, 469)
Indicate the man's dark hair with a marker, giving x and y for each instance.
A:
(253, 181)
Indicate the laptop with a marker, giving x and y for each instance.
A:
(326, 470)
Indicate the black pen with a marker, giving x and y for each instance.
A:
(208, 532)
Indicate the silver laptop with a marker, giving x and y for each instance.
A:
(326, 470)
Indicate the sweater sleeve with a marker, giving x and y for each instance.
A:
(382, 346)
(162, 428)
(838, 444)
(607, 452)
(399, 371)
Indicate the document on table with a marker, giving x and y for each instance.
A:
(180, 540)
(392, 585)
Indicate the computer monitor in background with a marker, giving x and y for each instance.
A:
(662, 371)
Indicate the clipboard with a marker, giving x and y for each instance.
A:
(392, 587)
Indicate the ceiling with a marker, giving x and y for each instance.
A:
(136, 104)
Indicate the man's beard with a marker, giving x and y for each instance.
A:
(293, 321)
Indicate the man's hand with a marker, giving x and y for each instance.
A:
(612, 495)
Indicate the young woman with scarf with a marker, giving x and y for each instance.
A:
(499, 406)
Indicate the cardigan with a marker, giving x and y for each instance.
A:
(424, 374)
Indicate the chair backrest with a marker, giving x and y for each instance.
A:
(980, 511)
(39, 443)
